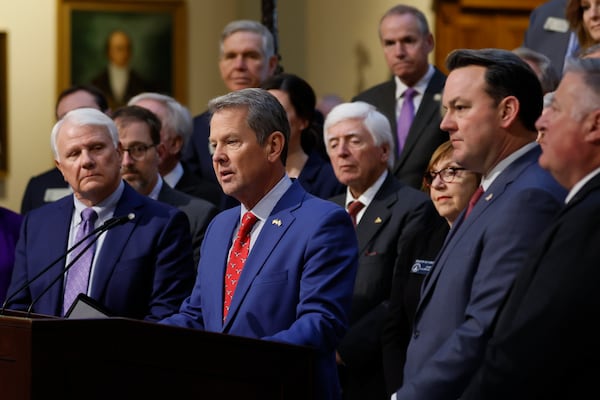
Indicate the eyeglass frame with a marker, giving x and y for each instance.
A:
(429, 176)
(140, 147)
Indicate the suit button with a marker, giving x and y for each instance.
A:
(416, 334)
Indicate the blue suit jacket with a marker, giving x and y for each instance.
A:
(296, 286)
(471, 276)
(143, 270)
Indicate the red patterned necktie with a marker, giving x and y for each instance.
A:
(476, 195)
(237, 258)
(353, 210)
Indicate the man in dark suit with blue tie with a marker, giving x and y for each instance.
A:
(142, 268)
(492, 99)
(294, 284)
(407, 41)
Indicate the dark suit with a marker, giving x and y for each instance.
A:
(317, 177)
(197, 157)
(545, 343)
(424, 135)
(413, 265)
(202, 188)
(43, 189)
(471, 276)
(143, 270)
(199, 212)
(135, 85)
(396, 213)
(296, 285)
(551, 43)
(195, 153)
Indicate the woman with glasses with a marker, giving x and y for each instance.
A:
(450, 187)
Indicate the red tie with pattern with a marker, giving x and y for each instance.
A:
(476, 195)
(237, 258)
(353, 210)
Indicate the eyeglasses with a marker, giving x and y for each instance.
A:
(138, 151)
(447, 175)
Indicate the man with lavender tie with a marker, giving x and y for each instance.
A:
(142, 268)
(411, 99)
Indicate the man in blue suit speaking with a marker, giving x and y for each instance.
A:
(142, 268)
(295, 266)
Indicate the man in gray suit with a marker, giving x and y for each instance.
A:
(361, 148)
(139, 137)
(407, 42)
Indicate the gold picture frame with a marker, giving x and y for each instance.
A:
(157, 30)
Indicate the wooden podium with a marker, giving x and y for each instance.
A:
(118, 358)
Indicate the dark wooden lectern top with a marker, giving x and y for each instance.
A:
(118, 358)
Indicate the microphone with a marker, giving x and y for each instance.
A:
(109, 224)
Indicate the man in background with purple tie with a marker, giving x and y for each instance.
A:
(360, 146)
(411, 99)
(281, 265)
(141, 268)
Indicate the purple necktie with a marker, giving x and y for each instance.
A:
(79, 274)
(406, 116)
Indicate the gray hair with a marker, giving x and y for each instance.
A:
(402, 9)
(265, 113)
(549, 78)
(374, 121)
(177, 117)
(84, 117)
(589, 68)
(247, 25)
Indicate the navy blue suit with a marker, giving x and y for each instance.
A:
(144, 269)
(471, 276)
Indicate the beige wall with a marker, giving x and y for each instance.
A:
(331, 43)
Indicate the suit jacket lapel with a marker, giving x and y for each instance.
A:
(462, 226)
(275, 226)
(377, 213)
(115, 241)
(60, 221)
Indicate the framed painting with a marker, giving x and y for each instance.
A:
(123, 47)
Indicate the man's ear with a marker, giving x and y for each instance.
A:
(508, 111)
(592, 127)
(274, 145)
(161, 150)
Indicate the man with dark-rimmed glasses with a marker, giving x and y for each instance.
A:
(139, 137)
